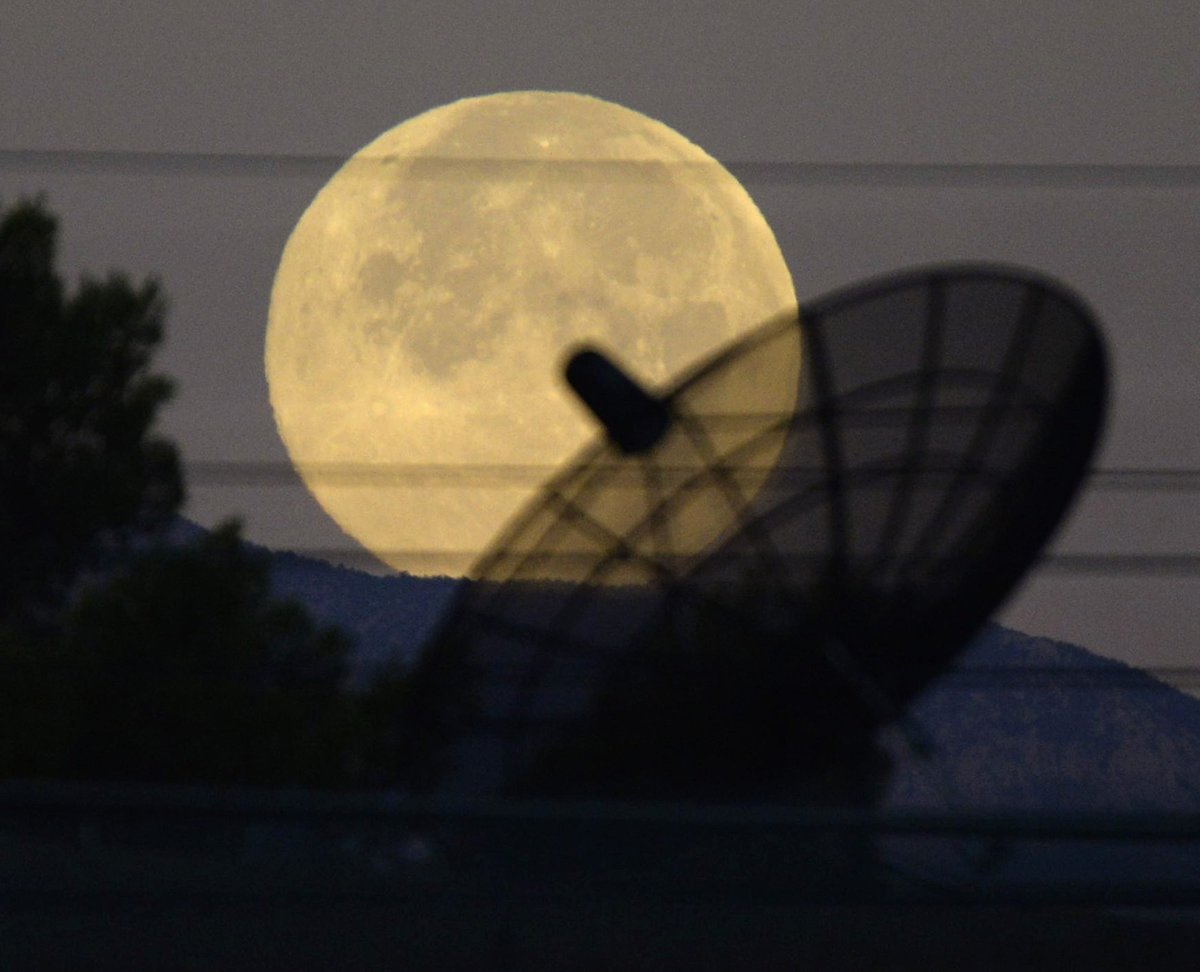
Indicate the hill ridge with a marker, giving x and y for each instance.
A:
(1021, 721)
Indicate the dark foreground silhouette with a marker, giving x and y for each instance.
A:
(754, 572)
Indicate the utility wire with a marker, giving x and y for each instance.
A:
(934, 175)
(271, 474)
(1104, 675)
(1125, 565)
(427, 475)
(1181, 565)
(235, 472)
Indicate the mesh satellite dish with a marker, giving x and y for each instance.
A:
(752, 572)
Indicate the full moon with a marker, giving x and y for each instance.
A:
(426, 298)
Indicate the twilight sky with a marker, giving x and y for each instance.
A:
(186, 140)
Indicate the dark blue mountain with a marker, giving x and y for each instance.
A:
(390, 617)
(1024, 721)
(1020, 721)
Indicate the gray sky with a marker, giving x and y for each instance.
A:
(821, 109)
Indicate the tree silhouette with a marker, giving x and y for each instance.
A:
(80, 471)
(186, 669)
(124, 656)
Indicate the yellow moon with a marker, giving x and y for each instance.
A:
(425, 299)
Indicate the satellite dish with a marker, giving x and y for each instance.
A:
(752, 572)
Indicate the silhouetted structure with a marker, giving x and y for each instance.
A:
(733, 604)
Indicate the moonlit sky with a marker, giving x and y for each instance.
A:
(186, 140)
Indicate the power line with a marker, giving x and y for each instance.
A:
(971, 676)
(1125, 565)
(931, 174)
(1180, 565)
(237, 472)
(1070, 676)
(283, 473)
(1146, 479)
(276, 474)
